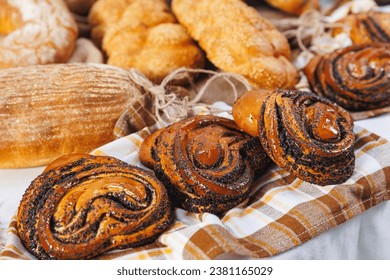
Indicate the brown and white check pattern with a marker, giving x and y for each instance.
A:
(282, 211)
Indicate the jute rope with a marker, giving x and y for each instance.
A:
(169, 107)
(311, 25)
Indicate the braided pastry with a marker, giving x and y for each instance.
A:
(86, 205)
(356, 77)
(237, 39)
(370, 27)
(303, 133)
(35, 32)
(207, 163)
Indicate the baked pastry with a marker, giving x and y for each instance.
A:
(154, 43)
(237, 39)
(296, 7)
(246, 110)
(356, 77)
(305, 134)
(369, 27)
(52, 110)
(145, 150)
(104, 13)
(207, 163)
(81, 208)
(35, 32)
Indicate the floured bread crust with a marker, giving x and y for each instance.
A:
(35, 32)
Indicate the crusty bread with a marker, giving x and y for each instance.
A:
(35, 32)
(53, 110)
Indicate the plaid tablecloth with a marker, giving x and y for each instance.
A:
(282, 211)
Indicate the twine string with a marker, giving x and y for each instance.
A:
(311, 24)
(168, 106)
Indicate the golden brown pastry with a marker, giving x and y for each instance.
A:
(147, 37)
(307, 135)
(145, 150)
(237, 39)
(52, 110)
(35, 32)
(356, 77)
(207, 163)
(102, 14)
(296, 7)
(369, 27)
(83, 206)
(246, 110)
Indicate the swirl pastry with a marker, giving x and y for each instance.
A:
(356, 77)
(207, 163)
(370, 27)
(305, 134)
(85, 205)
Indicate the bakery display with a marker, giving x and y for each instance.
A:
(296, 7)
(307, 135)
(86, 205)
(80, 74)
(35, 32)
(147, 37)
(207, 163)
(355, 77)
(237, 39)
(368, 27)
(51, 110)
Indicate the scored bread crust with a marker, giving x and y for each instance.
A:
(57, 109)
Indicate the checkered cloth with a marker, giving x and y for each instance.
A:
(281, 212)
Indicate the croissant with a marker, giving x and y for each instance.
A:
(83, 205)
(53, 110)
(369, 27)
(356, 77)
(307, 135)
(237, 39)
(207, 163)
